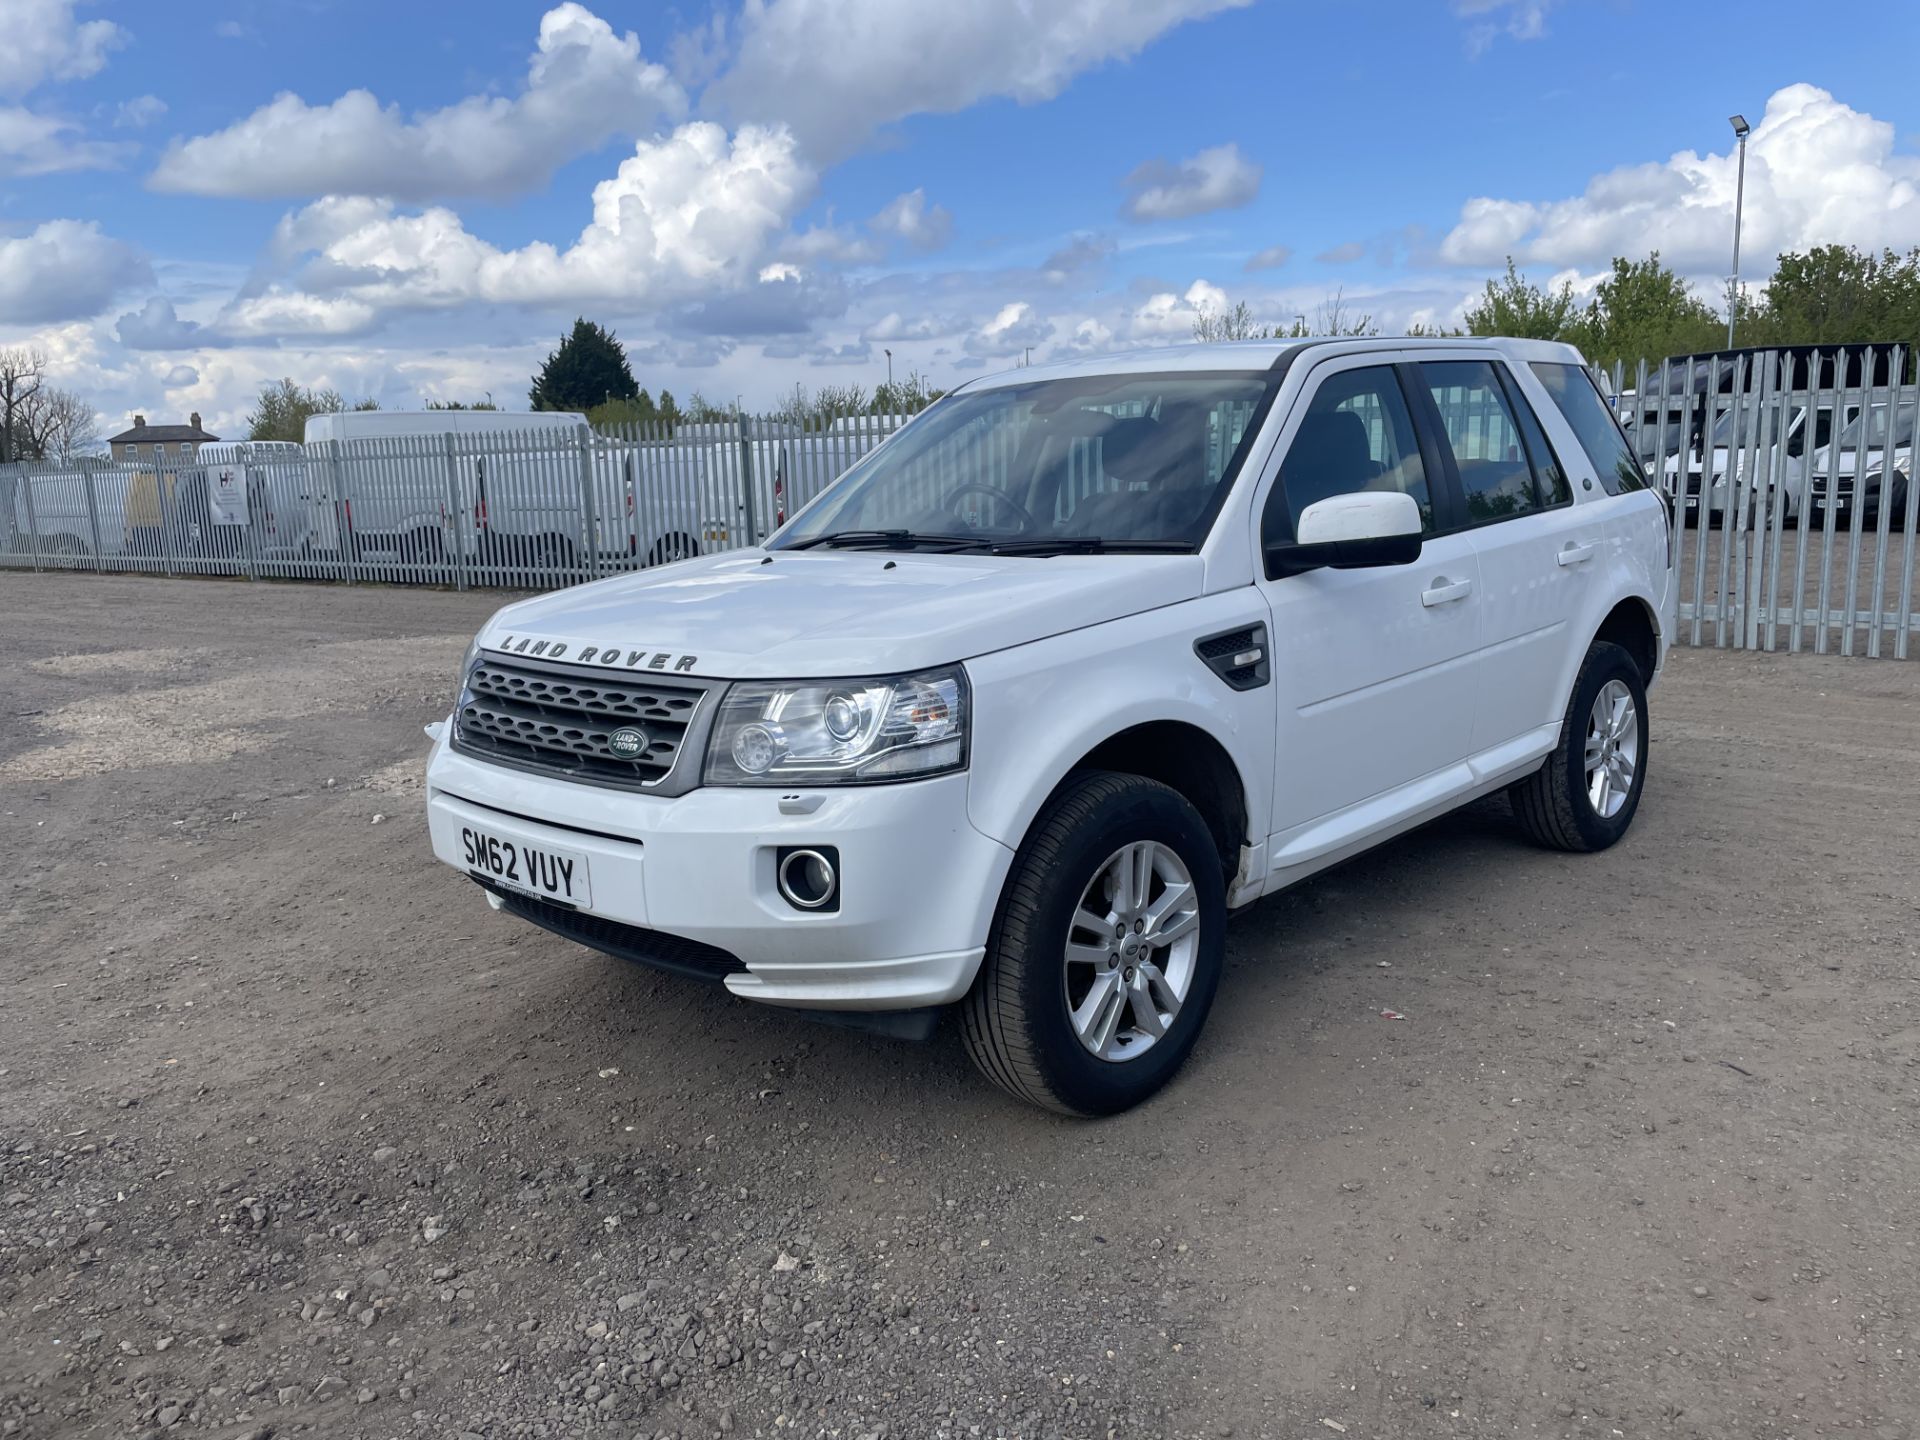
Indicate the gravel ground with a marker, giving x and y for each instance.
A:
(298, 1138)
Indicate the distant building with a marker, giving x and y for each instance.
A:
(178, 443)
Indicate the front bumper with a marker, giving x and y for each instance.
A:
(918, 884)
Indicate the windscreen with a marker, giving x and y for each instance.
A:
(1106, 462)
(1874, 423)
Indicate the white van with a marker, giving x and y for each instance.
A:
(495, 487)
(271, 475)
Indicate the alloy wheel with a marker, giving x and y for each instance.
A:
(1131, 951)
(1613, 749)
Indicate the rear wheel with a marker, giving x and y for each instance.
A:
(553, 552)
(1585, 796)
(421, 547)
(669, 548)
(1106, 953)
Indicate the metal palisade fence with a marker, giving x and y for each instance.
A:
(1788, 474)
(526, 509)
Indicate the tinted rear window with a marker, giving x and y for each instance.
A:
(1594, 424)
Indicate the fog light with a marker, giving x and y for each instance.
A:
(809, 879)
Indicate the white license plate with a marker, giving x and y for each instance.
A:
(547, 872)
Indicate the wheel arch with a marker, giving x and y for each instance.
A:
(1188, 760)
(1634, 626)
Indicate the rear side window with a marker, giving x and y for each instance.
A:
(1594, 424)
(1496, 476)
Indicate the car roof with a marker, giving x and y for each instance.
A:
(1243, 355)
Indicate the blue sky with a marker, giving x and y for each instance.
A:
(400, 199)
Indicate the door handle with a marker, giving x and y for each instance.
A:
(1445, 592)
(1571, 554)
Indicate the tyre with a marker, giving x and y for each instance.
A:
(669, 548)
(421, 547)
(552, 553)
(1585, 795)
(1106, 952)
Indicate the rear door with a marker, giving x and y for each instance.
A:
(1373, 666)
(1536, 551)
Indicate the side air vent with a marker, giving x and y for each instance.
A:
(1239, 657)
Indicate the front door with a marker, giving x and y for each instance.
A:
(1373, 666)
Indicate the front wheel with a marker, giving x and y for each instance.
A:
(1106, 953)
(1585, 795)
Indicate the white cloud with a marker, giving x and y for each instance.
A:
(158, 326)
(908, 217)
(44, 41)
(1271, 258)
(836, 71)
(585, 85)
(139, 112)
(894, 327)
(1166, 317)
(1516, 19)
(1818, 172)
(830, 244)
(36, 144)
(41, 41)
(283, 314)
(65, 270)
(1342, 254)
(1014, 329)
(687, 215)
(1220, 178)
(1082, 252)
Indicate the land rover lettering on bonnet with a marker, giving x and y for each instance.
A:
(1088, 656)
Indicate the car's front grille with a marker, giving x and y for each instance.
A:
(563, 722)
(1820, 486)
(626, 942)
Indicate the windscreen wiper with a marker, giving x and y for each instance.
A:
(1087, 545)
(885, 540)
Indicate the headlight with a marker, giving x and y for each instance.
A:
(828, 732)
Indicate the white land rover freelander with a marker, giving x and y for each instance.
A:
(1082, 659)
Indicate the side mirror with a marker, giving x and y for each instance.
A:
(1351, 532)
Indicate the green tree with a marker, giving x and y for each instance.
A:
(908, 395)
(283, 409)
(486, 404)
(702, 411)
(589, 368)
(1514, 305)
(640, 410)
(669, 409)
(833, 401)
(1836, 294)
(1643, 310)
(1236, 322)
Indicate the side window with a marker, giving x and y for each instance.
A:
(1496, 480)
(1357, 434)
(1594, 424)
(1549, 476)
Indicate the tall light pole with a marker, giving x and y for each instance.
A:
(1742, 130)
(889, 355)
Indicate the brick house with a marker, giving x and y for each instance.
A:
(178, 443)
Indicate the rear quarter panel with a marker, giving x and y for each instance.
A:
(1633, 560)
